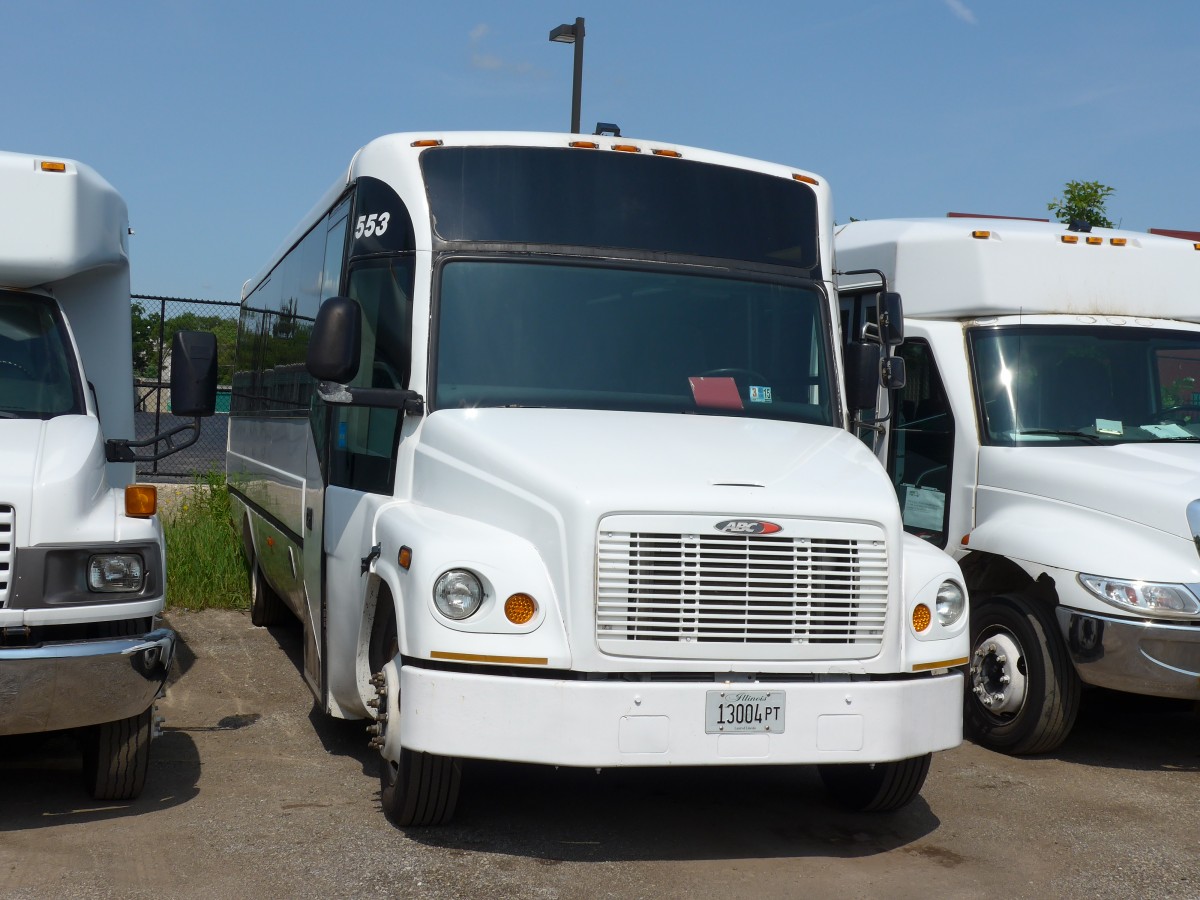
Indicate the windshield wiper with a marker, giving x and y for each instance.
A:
(1091, 438)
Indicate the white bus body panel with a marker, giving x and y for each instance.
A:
(64, 237)
(521, 496)
(1023, 268)
(1116, 511)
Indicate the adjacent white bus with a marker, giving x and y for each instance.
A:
(1048, 437)
(572, 483)
(82, 560)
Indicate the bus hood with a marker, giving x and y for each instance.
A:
(52, 474)
(1147, 484)
(588, 463)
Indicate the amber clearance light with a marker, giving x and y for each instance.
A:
(141, 500)
(921, 617)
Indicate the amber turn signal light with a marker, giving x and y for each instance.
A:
(141, 500)
(520, 609)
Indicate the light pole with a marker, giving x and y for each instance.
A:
(573, 34)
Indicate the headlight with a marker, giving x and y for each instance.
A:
(951, 601)
(458, 594)
(116, 572)
(1145, 597)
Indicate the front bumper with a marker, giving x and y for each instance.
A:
(609, 724)
(1154, 658)
(73, 684)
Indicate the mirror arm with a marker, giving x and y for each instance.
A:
(118, 450)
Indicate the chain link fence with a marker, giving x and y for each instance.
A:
(155, 321)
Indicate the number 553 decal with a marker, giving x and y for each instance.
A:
(374, 224)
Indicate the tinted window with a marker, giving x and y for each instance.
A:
(596, 337)
(37, 369)
(596, 198)
(1039, 385)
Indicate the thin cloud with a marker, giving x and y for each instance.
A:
(490, 62)
(960, 9)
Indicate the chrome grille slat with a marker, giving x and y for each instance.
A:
(747, 589)
(7, 550)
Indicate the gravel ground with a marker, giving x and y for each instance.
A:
(252, 793)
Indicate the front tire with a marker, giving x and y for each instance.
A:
(116, 756)
(1022, 689)
(876, 787)
(420, 789)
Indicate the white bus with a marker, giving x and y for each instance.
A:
(82, 559)
(572, 483)
(1047, 436)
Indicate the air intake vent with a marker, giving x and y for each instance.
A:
(8, 538)
(722, 595)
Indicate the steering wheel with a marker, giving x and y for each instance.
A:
(1184, 412)
(20, 368)
(751, 375)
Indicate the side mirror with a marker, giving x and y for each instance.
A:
(193, 373)
(891, 319)
(892, 373)
(193, 395)
(334, 349)
(862, 375)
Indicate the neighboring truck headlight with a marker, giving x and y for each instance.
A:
(458, 594)
(951, 601)
(116, 572)
(1145, 597)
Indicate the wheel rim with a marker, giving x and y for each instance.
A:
(998, 678)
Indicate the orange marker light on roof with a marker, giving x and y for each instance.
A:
(584, 145)
(627, 148)
(427, 142)
(1118, 242)
(54, 166)
(805, 178)
(981, 235)
(1095, 241)
(1070, 239)
(673, 153)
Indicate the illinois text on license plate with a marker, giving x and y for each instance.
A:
(744, 712)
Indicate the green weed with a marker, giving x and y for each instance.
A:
(205, 566)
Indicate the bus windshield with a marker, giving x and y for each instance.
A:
(533, 333)
(1090, 385)
(37, 377)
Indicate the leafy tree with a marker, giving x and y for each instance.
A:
(145, 341)
(1083, 200)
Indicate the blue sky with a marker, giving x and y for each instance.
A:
(222, 122)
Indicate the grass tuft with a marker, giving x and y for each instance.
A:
(205, 565)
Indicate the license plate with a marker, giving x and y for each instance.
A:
(743, 712)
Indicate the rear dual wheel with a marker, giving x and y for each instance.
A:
(266, 606)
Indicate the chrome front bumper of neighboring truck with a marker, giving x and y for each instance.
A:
(77, 683)
(1159, 659)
